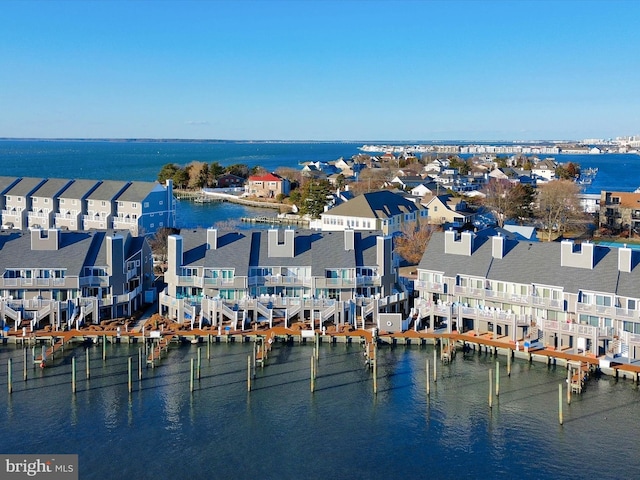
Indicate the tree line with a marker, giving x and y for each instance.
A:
(203, 175)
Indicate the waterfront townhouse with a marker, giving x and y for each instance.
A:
(144, 207)
(45, 202)
(17, 202)
(72, 204)
(248, 276)
(101, 204)
(620, 211)
(64, 278)
(6, 183)
(583, 299)
(381, 210)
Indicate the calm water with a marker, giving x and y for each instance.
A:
(143, 160)
(343, 430)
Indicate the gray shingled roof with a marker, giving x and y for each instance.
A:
(52, 188)
(245, 249)
(6, 182)
(381, 204)
(108, 190)
(79, 188)
(137, 191)
(24, 187)
(535, 263)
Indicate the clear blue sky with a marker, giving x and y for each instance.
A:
(320, 70)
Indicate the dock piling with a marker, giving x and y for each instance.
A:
(248, 373)
(509, 363)
(73, 374)
(140, 363)
(490, 388)
(104, 347)
(569, 375)
(24, 365)
(435, 363)
(313, 373)
(129, 375)
(497, 379)
(9, 376)
(560, 419)
(191, 377)
(87, 365)
(375, 370)
(428, 380)
(199, 363)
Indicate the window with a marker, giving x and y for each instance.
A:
(146, 204)
(103, 203)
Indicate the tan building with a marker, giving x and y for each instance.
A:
(620, 211)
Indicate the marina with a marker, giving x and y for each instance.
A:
(196, 396)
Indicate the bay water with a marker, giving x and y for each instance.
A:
(280, 429)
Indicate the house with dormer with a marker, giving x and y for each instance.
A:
(581, 299)
(268, 185)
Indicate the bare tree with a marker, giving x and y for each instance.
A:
(413, 241)
(159, 243)
(508, 201)
(558, 206)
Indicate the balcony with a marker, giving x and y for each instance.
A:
(368, 281)
(124, 221)
(600, 310)
(627, 314)
(468, 291)
(547, 302)
(94, 281)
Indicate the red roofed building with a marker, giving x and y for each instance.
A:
(268, 185)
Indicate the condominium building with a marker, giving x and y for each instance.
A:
(140, 207)
(245, 276)
(580, 298)
(65, 278)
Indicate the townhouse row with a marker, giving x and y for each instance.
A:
(239, 278)
(140, 207)
(579, 298)
(64, 279)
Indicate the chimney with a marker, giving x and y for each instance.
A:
(45, 239)
(572, 257)
(497, 246)
(285, 248)
(174, 254)
(625, 255)
(349, 239)
(458, 246)
(212, 238)
(116, 259)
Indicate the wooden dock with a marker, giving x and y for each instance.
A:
(158, 348)
(59, 341)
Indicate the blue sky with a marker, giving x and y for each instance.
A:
(320, 70)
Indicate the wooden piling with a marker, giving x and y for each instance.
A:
(24, 365)
(569, 375)
(435, 365)
(104, 347)
(130, 374)
(428, 380)
(248, 373)
(9, 376)
(497, 379)
(490, 388)
(560, 403)
(208, 347)
(140, 363)
(191, 377)
(509, 363)
(73, 374)
(87, 365)
(375, 370)
(313, 373)
(199, 363)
